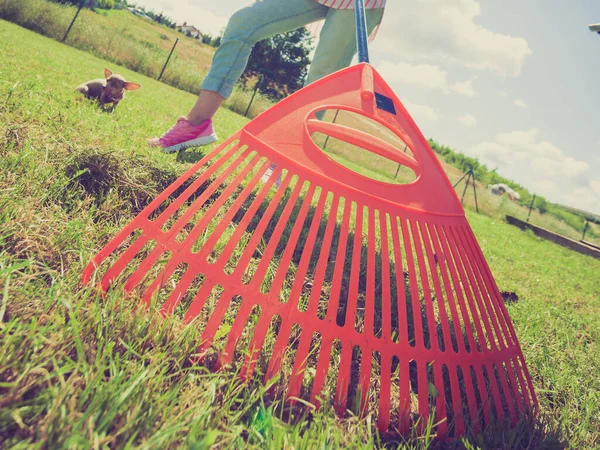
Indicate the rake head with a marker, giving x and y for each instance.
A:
(373, 294)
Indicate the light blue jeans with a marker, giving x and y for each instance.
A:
(266, 18)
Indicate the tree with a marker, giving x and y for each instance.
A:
(282, 63)
(106, 4)
(206, 38)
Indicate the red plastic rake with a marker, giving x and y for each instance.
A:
(336, 279)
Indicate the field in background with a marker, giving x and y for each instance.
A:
(127, 40)
(75, 371)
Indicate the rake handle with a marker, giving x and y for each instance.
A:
(361, 31)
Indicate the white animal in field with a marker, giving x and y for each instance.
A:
(501, 189)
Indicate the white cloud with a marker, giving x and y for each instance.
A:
(502, 94)
(421, 112)
(190, 11)
(465, 88)
(467, 120)
(446, 30)
(542, 167)
(586, 197)
(424, 75)
(520, 103)
(525, 148)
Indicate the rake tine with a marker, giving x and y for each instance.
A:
(177, 294)
(383, 419)
(321, 371)
(299, 369)
(364, 383)
(343, 380)
(117, 268)
(235, 333)
(255, 348)
(279, 349)
(404, 412)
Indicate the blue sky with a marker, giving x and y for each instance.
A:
(515, 83)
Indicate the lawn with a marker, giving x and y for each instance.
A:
(78, 370)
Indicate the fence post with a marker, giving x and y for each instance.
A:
(333, 121)
(258, 83)
(466, 186)
(458, 182)
(587, 224)
(167, 62)
(475, 192)
(73, 21)
(400, 165)
(530, 207)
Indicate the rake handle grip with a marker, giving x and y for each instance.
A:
(361, 31)
(364, 140)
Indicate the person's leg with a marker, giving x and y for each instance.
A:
(251, 24)
(337, 42)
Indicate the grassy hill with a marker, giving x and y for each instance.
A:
(78, 370)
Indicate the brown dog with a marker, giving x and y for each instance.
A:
(110, 89)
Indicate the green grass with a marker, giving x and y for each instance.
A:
(78, 370)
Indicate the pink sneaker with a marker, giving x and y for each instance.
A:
(184, 135)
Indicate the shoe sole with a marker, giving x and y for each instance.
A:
(204, 140)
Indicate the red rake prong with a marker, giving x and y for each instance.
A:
(433, 333)
(386, 299)
(336, 282)
(235, 333)
(414, 290)
(459, 423)
(117, 268)
(160, 281)
(383, 419)
(254, 350)
(321, 371)
(369, 314)
(423, 394)
(440, 401)
(343, 379)
(300, 364)
(355, 270)
(260, 229)
(404, 411)
(364, 383)
(142, 270)
(469, 285)
(278, 350)
(321, 267)
(400, 292)
(216, 319)
(427, 238)
(178, 293)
